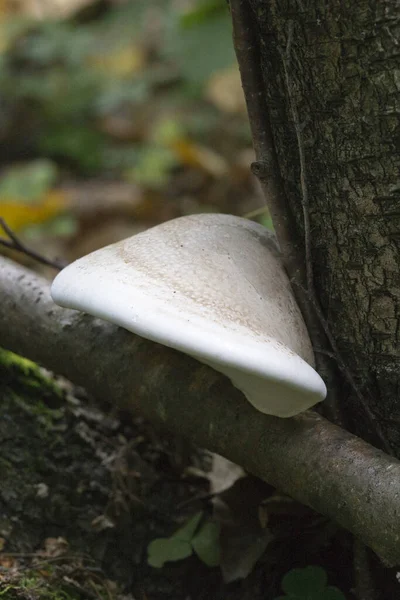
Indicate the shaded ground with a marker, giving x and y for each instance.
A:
(84, 492)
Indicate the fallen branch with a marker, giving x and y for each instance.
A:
(315, 462)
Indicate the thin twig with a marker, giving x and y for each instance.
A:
(14, 243)
(80, 589)
(310, 290)
(266, 166)
(256, 212)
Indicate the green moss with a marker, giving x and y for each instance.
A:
(9, 358)
(22, 367)
(34, 586)
(32, 405)
(35, 583)
(25, 372)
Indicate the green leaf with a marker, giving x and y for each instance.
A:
(332, 593)
(206, 544)
(308, 584)
(59, 226)
(186, 533)
(177, 547)
(119, 93)
(164, 550)
(266, 221)
(153, 167)
(77, 142)
(203, 11)
(186, 46)
(29, 182)
(304, 582)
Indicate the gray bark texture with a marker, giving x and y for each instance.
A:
(314, 461)
(331, 80)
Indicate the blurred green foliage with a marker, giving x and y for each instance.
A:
(70, 75)
(29, 182)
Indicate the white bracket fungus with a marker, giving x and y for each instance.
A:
(211, 286)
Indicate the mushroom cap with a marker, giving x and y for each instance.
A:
(212, 286)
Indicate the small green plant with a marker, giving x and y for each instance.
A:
(198, 535)
(309, 583)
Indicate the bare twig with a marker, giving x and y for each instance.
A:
(266, 166)
(306, 457)
(83, 592)
(14, 243)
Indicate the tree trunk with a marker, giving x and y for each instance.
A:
(331, 78)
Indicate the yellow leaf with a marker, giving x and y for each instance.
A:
(121, 62)
(169, 133)
(198, 156)
(18, 215)
(224, 90)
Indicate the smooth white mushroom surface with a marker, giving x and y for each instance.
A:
(212, 286)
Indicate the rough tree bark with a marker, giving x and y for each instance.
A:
(331, 81)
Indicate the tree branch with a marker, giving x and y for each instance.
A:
(306, 457)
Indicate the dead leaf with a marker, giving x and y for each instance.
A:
(7, 562)
(42, 490)
(224, 90)
(102, 522)
(55, 546)
(194, 155)
(223, 474)
(243, 536)
(240, 551)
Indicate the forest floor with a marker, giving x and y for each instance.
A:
(85, 492)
